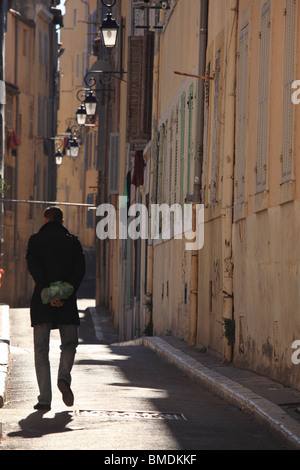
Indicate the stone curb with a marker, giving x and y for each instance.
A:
(268, 413)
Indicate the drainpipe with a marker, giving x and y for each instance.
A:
(192, 339)
(228, 292)
(2, 108)
(150, 262)
(16, 167)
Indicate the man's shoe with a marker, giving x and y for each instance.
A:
(67, 395)
(41, 407)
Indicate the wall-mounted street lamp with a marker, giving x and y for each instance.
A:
(74, 147)
(81, 114)
(109, 28)
(86, 113)
(90, 103)
(70, 142)
(58, 158)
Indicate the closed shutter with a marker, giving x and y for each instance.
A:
(189, 140)
(90, 213)
(155, 165)
(114, 163)
(39, 115)
(242, 113)
(205, 136)
(176, 155)
(161, 165)
(215, 131)
(289, 77)
(171, 155)
(140, 87)
(263, 98)
(182, 146)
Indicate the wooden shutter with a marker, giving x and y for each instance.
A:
(176, 155)
(114, 163)
(263, 98)
(215, 131)
(171, 158)
(161, 165)
(189, 140)
(205, 136)
(155, 164)
(242, 112)
(140, 87)
(182, 146)
(289, 77)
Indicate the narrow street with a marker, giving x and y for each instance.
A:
(127, 398)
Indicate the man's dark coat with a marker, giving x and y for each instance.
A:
(53, 254)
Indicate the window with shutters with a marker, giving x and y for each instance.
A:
(90, 213)
(171, 158)
(114, 163)
(215, 131)
(155, 164)
(140, 87)
(160, 189)
(263, 99)
(189, 140)
(39, 115)
(205, 135)
(165, 157)
(242, 113)
(182, 146)
(289, 77)
(176, 130)
(40, 46)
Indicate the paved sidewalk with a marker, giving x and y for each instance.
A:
(273, 404)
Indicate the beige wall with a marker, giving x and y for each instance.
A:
(171, 262)
(76, 178)
(266, 246)
(21, 220)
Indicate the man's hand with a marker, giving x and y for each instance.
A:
(56, 302)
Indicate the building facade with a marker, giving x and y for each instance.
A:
(30, 125)
(205, 118)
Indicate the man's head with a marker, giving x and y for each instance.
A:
(54, 214)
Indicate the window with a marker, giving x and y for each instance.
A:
(114, 163)
(189, 140)
(9, 111)
(77, 66)
(242, 113)
(215, 131)
(24, 42)
(40, 46)
(176, 155)
(263, 99)
(39, 115)
(289, 77)
(90, 213)
(9, 173)
(161, 164)
(182, 146)
(31, 115)
(205, 138)
(75, 18)
(46, 48)
(171, 158)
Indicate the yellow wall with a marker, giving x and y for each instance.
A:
(76, 179)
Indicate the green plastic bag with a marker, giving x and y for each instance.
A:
(58, 289)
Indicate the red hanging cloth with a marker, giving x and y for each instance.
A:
(13, 141)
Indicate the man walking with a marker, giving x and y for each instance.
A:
(54, 256)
